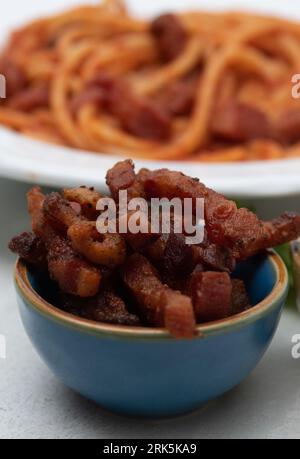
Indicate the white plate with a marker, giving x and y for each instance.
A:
(28, 160)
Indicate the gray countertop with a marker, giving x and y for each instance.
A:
(33, 404)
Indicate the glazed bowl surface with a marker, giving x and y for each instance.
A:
(144, 371)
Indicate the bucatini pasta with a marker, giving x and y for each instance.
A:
(193, 86)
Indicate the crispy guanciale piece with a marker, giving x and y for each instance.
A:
(211, 294)
(240, 301)
(31, 99)
(90, 95)
(112, 309)
(35, 200)
(137, 115)
(168, 184)
(30, 248)
(155, 251)
(59, 212)
(179, 98)
(141, 240)
(120, 177)
(240, 123)
(123, 177)
(73, 274)
(170, 35)
(283, 229)
(178, 256)
(214, 257)
(136, 190)
(287, 126)
(106, 307)
(160, 305)
(237, 229)
(102, 249)
(87, 198)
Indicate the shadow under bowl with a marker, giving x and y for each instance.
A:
(144, 371)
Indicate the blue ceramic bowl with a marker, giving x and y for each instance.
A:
(145, 372)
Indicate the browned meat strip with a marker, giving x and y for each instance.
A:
(36, 199)
(87, 198)
(138, 115)
(240, 123)
(59, 212)
(160, 305)
(30, 248)
(179, 98)
(73, 274)
(283, 229)
(170, 35)
(178, 258)
(31, 99)
(211, 294)
(101, 249)
(123, 177)
(287, 126)
(239, 300)
(90, 95)
(237, 229)
(120, 177)
(106, 307)
(215, 258)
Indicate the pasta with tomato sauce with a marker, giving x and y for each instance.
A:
(192, 86)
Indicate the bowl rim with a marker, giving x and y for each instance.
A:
(33, 299)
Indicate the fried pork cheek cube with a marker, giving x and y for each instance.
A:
(161, 306)
(211, 293)
(141, 240)
(237, 229)
(35, 202)
(120, 177)
(215, 258)
(86, 198)
(123, 177)
(179, 98)
(31, 99)
(283, 229)
(73, 274)
(29, 248)
(240, 123)
(178, 256)
(240, 301)
(170, 35)
(59, 212)
(106, 307)
(138, 115)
